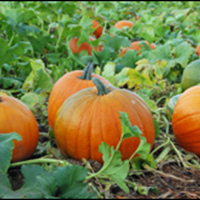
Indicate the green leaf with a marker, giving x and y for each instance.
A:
(43, 80)
(144, 148)
(70, 179)
(138, 79)
(183, 52)
(109, 72)
(11, 82)
(33, 100)
(6, 146)
(129, 59)
(115, 43)
(85, 22)
(127, 129)
(113, 166)
(6, 188)
(47, 186)
(39, 78)
(101, 58)
(147, 32)
(151, 104)
(122, 77)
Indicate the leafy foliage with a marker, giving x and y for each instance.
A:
(35, 53)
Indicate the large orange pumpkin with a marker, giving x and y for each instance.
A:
(186, 120)
(84, 46)
(91, 116)
(15, 116)
(99, 29)
(67, 85)
(123, 23)
(136, 46)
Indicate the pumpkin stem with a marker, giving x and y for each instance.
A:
(87, 72)
(0, 99)
(102, 90)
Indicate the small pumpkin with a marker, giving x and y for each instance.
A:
(84, 46)
(136, 46)
(99, 29)
(15, 116)
(67, 85)
(197, 49)
(171, 104)
(190, 76)
(185, 120)
(123, 23)
(91, 116)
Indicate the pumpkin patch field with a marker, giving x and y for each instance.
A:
(99, 100)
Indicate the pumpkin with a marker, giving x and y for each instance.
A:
(185, 120)
(67, 85)
(123, 23)
(171, 104)
(84, 46)
(99, 29)
(91, 116)
(197, 49)
(136, 46)
(137, 17)
(15, 116)
(190, 75)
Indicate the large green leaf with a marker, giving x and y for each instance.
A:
(6, 146)
(70, 179)
(40, 184)
(39, 78)
(115, 43)
(113, 166)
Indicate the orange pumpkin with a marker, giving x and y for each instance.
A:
(91, 116)
(84, 46)
(136, 46)
(185, 120)
(137, 17)
(67, 85)
(123, 23)
(99, 29)
(197, 49)
(15, 116)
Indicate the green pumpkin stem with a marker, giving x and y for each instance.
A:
(102, 90)
(87, 72)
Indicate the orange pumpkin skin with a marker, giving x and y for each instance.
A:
(185, 120)
(84, 46)
(86, 119)
(66, 86)
(198, 50)
(15, 116)
(99, 28)
(123, 23)
(136, 46)
(137, 17)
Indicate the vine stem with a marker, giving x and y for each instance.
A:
(179, 155)
(39, 160)
(162, 145)
(163, 154)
